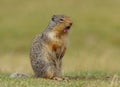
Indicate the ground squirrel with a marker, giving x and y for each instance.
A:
(49, 48)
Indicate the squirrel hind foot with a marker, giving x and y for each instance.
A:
(61, 78)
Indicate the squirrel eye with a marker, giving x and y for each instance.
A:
(61, 20)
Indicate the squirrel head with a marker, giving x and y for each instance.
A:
(61, 23)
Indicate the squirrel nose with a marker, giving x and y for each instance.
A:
(70, 24)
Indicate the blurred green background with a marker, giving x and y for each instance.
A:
(94, 37)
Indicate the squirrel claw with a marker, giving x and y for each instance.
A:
(60, 78)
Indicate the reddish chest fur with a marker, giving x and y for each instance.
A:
(58, 45)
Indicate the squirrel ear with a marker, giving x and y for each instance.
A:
(53, 17)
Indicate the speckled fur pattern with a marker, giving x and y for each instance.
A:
(49, 48)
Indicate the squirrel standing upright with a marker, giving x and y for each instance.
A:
(49, 48)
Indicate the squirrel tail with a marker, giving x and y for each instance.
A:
(19, 75)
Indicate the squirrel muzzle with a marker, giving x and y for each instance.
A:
(67, 28)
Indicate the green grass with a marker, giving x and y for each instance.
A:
(94, 37)
(83, 79)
